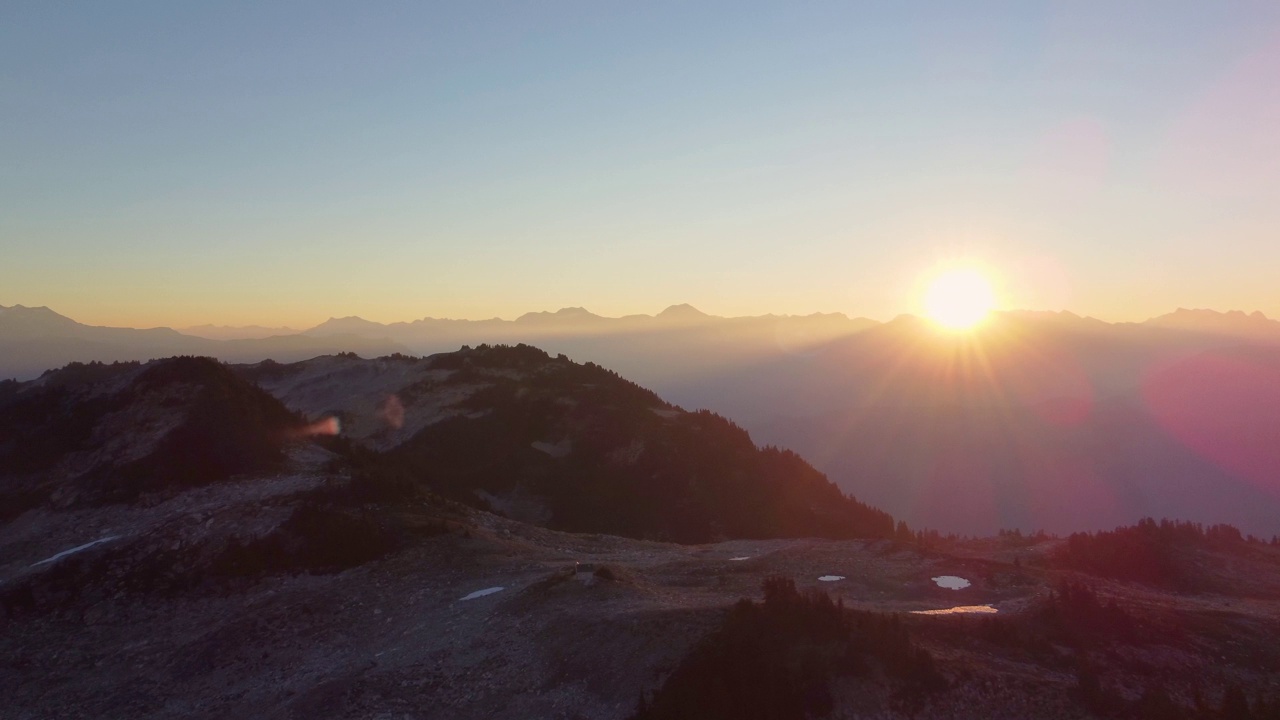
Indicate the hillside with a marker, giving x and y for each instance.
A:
(96, 433)
(574, 447)
(286, 597)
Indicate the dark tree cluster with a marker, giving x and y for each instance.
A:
(1017, 537)
(227, 427)
(38, 428)
(318, 538)
(776, 660)
(1150, 552)
(558, 371)
(265, 370)
(75, 374)
(1074, 615)
(1156, 703)
(231, 428)
(42, 425)
(1071, 616)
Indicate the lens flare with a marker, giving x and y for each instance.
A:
(326, 426)
(391, 412)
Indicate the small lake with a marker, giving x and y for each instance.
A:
(959, 610)
(951, 582)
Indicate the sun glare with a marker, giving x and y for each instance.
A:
(959, 299)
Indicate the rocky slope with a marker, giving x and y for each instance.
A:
(573, 447)
(100, 433)
(464, 614)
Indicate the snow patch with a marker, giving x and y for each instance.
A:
(482, 593)
(831, 578)
(951, 582)
(739, 559)
(556, 450)
(76, 549)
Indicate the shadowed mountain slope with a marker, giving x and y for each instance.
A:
(571, 446)
(99, 433)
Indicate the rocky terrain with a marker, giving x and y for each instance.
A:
(569, 446)
(388, 573)
(152, 623)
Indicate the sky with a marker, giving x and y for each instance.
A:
(280, 163)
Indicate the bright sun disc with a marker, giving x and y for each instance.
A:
(959, 299)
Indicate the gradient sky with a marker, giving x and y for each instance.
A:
(278, 163)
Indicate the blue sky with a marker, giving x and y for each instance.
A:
(171, 163)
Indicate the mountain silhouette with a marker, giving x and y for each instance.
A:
(33, 340)
(229, 332)
(1234, 322)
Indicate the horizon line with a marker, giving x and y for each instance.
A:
(685, 309)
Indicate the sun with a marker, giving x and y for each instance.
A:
(959, 299)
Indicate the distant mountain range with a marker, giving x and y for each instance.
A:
(1235, 322)
(33, 340)
(228, 332)
(653, 349)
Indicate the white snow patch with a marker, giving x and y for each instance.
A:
(959, 610)
(557, 450)
(831, 578)
(951, 582)
(76, 549)
(739, 559)
(482, 593)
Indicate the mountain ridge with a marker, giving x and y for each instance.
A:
(1201, 319)
(33, 340)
